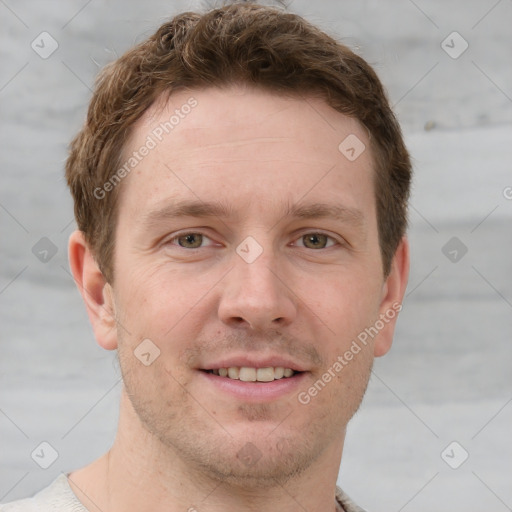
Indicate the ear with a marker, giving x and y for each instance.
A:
(393, 292)
(96, 292)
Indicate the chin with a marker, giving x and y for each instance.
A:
(249, 467)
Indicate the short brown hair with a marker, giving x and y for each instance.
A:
(238, 43)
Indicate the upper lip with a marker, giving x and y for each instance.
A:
(254, 362)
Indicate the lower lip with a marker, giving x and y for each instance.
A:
(256, 391)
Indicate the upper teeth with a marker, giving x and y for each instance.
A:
(248, 374)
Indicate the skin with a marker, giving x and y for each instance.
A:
(179, 438)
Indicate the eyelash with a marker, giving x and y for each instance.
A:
(179, 235)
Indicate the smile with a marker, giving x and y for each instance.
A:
(250, 374)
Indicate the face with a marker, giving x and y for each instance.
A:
(247, 241)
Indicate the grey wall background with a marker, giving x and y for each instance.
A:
(448, 377)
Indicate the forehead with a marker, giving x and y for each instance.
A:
(246, 145)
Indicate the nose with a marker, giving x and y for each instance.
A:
(257, 295)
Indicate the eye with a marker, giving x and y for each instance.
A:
(316, 241)
(189, 240)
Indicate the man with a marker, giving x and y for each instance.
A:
(240, 190)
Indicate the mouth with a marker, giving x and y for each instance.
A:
(253, 384)
(252, 374)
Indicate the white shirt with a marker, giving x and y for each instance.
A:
(59, 497)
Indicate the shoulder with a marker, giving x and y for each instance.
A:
(347, 504)
(57, 497)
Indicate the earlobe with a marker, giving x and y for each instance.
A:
(393, 293)
(96, 292)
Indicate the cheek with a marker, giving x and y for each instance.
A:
(334, 395)
(163, 304)
(346, 303)
(158, 397)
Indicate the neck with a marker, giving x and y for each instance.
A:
(141, 473)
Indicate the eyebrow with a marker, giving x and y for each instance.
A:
(203, 209)
(326, 211)
(191, 208)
